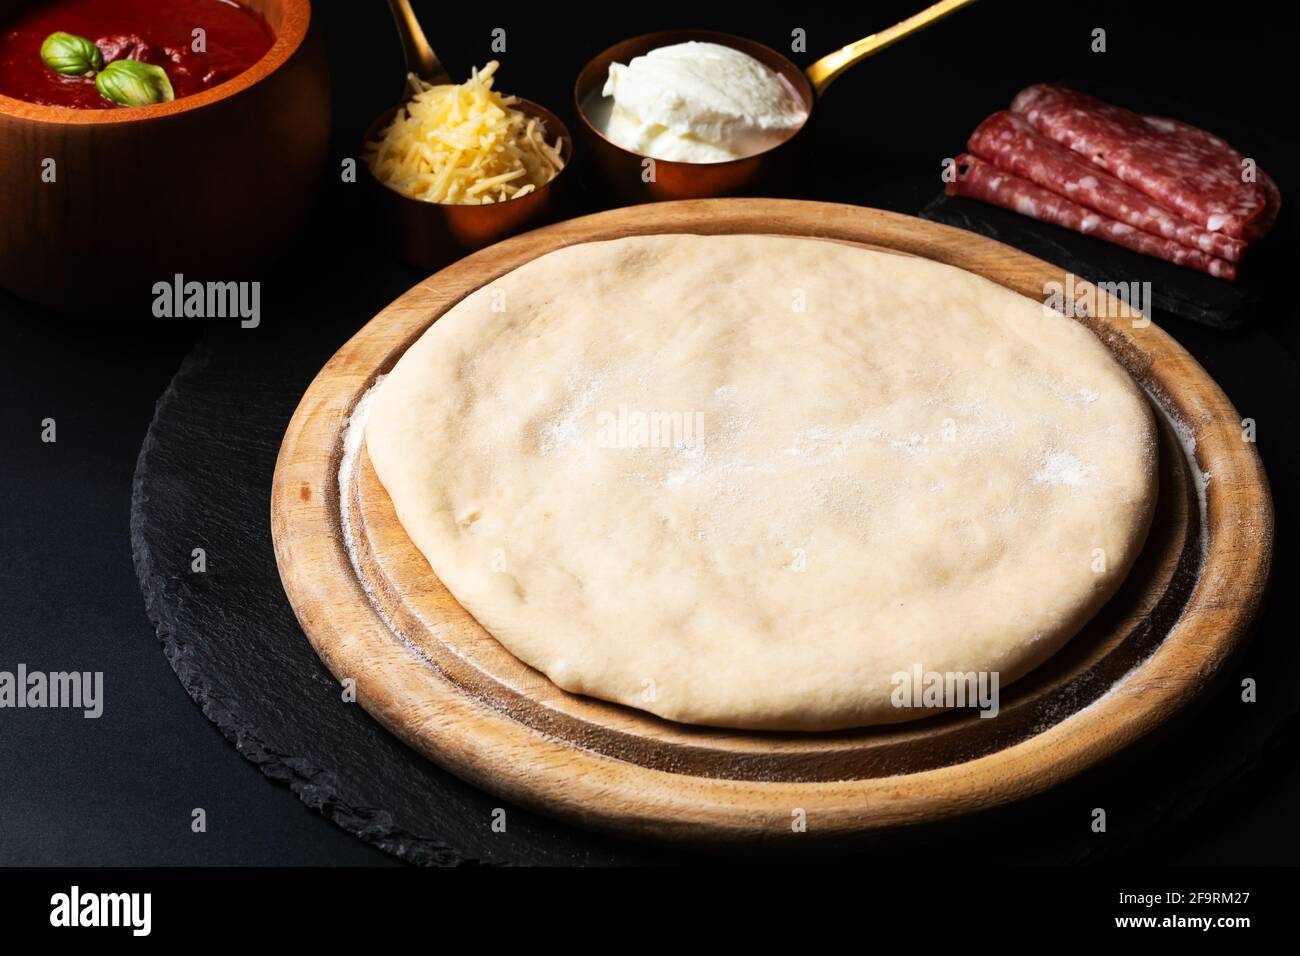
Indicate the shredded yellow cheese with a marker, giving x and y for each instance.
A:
(464, 144)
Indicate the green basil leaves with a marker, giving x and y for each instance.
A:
(71, 55)
(132, 83)
(125, 82)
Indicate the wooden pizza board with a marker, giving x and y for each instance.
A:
(424, 667)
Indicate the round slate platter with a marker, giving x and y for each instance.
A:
(203, 481)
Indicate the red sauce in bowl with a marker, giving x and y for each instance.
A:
(160, 32)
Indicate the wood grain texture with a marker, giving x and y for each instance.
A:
(451, 692)
(213, 186)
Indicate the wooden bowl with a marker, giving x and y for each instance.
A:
(428, 235)
(212, 186)
(623, 171)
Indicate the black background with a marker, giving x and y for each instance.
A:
(120, 789)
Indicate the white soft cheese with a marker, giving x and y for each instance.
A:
(699, 103)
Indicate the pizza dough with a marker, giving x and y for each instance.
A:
(744, 481)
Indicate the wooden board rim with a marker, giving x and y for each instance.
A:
(493, 751)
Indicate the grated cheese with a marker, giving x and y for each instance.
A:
(464, 144)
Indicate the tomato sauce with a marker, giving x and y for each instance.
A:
(160, 33)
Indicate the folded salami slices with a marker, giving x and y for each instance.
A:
(982, 180)
(1184, 168)
(1008, 141)
(1153, 185)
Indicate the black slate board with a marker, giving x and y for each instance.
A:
(203, 480)
(1184, 292)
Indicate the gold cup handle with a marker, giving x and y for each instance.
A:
(825, 70)
(420, 58)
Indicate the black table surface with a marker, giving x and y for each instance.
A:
(121, 789)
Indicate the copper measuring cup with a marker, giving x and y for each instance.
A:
(628, 175)
(429, 235)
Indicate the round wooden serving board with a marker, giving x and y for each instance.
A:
(425, 668)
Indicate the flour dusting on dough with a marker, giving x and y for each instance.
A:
(1061, 468)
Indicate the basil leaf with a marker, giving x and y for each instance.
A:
(132, 83)
(71, 55)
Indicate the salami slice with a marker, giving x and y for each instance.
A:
(982, 180)
(1008, 142)
(1183, 168)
